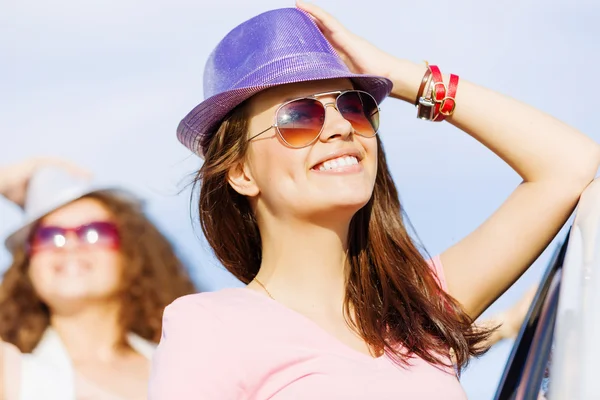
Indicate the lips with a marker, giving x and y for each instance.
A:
(72, 268)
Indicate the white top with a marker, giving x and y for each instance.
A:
(47, 372)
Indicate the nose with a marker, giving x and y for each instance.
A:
(336, 126)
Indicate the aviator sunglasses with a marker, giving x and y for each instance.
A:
(299, 122)
(47, 237)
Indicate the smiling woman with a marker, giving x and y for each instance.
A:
(81, 303)
(297, 201)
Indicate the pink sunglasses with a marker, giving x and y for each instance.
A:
(99, 233)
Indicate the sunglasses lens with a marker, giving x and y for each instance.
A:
(360, 109)
(300, 121)
(99, 233)
(48, 236)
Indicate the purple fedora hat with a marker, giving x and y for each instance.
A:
(274, 48)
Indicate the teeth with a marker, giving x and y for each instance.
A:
(338, 162)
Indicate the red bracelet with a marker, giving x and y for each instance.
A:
(438, 88)
(441, 102)
(448, 103)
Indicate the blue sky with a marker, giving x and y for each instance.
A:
(104, 83)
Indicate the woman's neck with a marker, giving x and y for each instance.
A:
(90, 331)
(304, 265)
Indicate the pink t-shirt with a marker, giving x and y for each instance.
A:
(240, 344)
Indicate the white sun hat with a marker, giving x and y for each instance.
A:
(51, 188)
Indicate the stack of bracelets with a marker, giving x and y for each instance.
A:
(436, 101)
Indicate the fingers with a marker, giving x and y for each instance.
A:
(324, 20)
(68, 166)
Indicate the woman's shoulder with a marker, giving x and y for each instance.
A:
(222, 307)
(10, 360)
(217, 301)
(9, 353)
(199, 354)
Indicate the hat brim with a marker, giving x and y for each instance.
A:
(21, 234)
(204, 119)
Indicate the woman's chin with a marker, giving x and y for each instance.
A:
(74, 297)
(351, 200)
(341, 208)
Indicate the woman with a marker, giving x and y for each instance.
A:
(298, 202)
(81, 304)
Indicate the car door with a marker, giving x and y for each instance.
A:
(528, 363)
(556, 353)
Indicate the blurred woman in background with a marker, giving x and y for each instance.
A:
(81, 304)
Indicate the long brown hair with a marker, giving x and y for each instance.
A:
(393, 292)
(154, 277)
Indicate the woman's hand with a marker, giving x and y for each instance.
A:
(359, 55)
(509, 321)
(362, 57)
(14, 178)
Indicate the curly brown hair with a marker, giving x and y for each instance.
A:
(154, 277)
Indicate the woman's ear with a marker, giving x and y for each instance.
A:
(240, 179)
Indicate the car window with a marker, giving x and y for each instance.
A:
(527, 373)
(545, 386)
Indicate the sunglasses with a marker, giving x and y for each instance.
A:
(299, 122)
(104, 234)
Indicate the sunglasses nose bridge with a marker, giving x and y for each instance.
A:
(335, 107)
(336, 126)
(70, 240)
